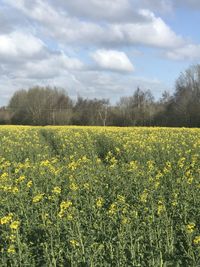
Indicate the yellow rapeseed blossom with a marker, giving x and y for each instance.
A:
(157, 183)
(161, 207)
(150, 165)
(143, 196)
(113, 209)
(113, 162)
(99, 202)
(167, 167)
(12, 238)
(98, 160)
(15, 189)
(6, 219)
(64, 205)
(190, 228)
(45, 163)
(38, 198)
(181, 162)
(14, 225)
(86, 186)
(73, 187)
(174, 203)
(125, 220)
(4, 176)
(196, 240)
(70, 217)
(20, 179)
(74, 243)
(29, 184)
(72, 166)
(56, 190)
(133, 165)
(190, 180)
(11, 249)
(121, 199)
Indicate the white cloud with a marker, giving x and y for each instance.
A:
(113, 85)
(112, 60)
(55, 65)
(37, 10)
(18, 44)
(155, 5)
(10, 20)
(151, 30)
(109, 10)
(187, 52)
(32, 34)
(155, 33)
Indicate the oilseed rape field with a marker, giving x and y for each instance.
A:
(99, 196)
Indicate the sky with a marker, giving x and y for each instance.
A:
(97, 48)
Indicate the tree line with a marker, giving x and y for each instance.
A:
(52, 106)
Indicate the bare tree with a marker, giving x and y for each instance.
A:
(103, 111)
(41, 106)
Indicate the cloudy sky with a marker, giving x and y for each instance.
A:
(97, 48)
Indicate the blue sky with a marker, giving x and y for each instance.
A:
(97, 48)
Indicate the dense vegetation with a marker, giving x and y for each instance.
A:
(73, 196)
(51, 106)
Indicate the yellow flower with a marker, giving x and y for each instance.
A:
(6, 219)
(69, 217)
(99, 202)
(174, 203)
(133, 165)
(12, 238)
(45, 163)
(64, 205)
(161, 208)
(11, 249)
(196, 240)
(113, 209)
(20, 179)
(56, 190)
(117, 149)
(17, 170)
(125, 220)
(4, 176)
(15, 189)
(14, 225)
(29, 184)
(74, 243)
(38, 198)
(190, 180)
(143, 196)
(181, 162)
(157, 183)
(73, 187)
(86, 186)
(150, 165)
(121, 199)
(190, 228)
(72, 165)
(98, 160)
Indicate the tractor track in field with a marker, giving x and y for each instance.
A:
(46, 136)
